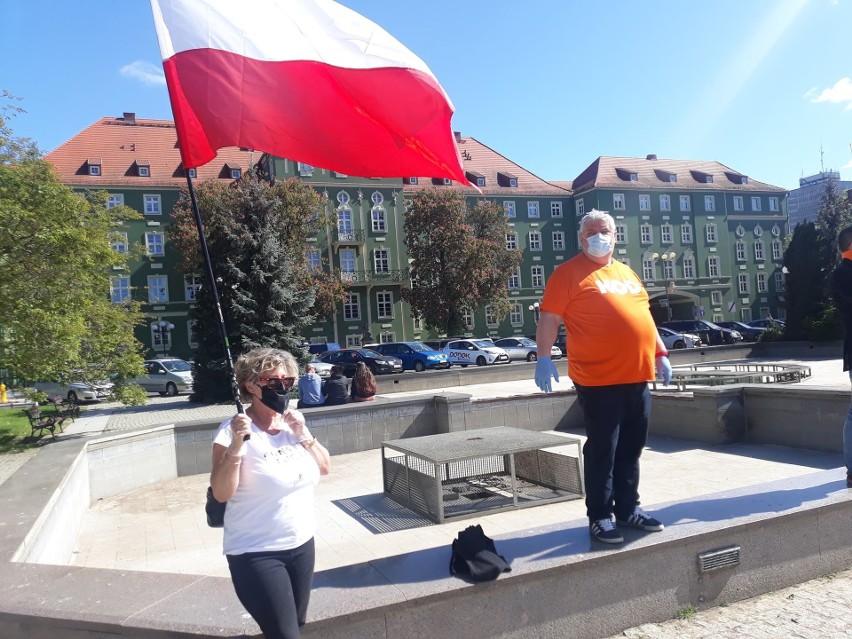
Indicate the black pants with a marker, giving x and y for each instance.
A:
(616, 420)
(275, 587)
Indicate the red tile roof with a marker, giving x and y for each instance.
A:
(480, 160)
(122, 145)
(614, 172)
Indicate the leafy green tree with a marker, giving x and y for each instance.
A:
(258, 236)
(459, 258)
(56, 259)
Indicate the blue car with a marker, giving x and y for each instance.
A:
(414, 355)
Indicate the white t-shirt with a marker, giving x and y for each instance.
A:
(273, 508)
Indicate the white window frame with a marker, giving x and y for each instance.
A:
(555, 209)
(665, 202)
(755, 203)
(644, 202)
(688, 266)
(153, 204)
(533, 211)
(535, 240)
(648, 269)
(740, 250)
(738, 203)
(352, 308)
(144, 171)
(381, 260)
(709, 203)
(558, 240)
(669, 269)
(161, 340)
(514, 281)
(773, 204)
(511, 241)
(686, 233)
(580, 205)
(490, 317)
(761, 283)
(666, 233)
(509, 208)
(353, 341)
(780, 284)
(384, 305)
(618, 201)
(155, 241)
(684, 203)
(314, 259)
(716, 298)
(621, 234)
(387, 337)
(537, 276)
(467, 317)
(711, 232)
(158, 289)
(114, 199)
(191, 285)
(119, 288)
(119, 245)
(743, 285)
(745, 314)
(759, 253)
(95, 170)
(516, 315)
(646, 233)
(713, 267)
(379, 220)
(777, 250)
(236, 173)
(348, 263)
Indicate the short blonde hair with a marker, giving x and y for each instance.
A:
(252, 365)
(596, 216)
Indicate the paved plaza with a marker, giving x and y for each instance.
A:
(162, 527)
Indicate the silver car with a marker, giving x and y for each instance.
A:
(166, 376)
(674, 340)
(518, 348)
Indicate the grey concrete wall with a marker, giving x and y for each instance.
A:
(121, 463)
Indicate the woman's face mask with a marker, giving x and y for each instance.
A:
(599, 245)
(275, 394)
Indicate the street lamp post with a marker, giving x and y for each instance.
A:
(162, 333)
(670, 285)
(534, 308)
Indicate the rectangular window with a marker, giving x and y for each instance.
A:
(709, 202)
(532, 209)
(379, 223)
(314, 259)
(776, 249)
(467, 318)
(758, 250)
(738, 202)
(352, 307)
(115, 199)
(665, 202)
(779, 281)
(686, 234)
(119, 242)
(644, 202)
(755, 204)
(353, 341)
(666, 232)
(155, 243)
(119, 288)
(646, 234)
(161, 340)
(773, 204)
(618, 201)
(742, 283)
(511, 241)
(191, 334)
(669, 269)
(684, 203)
(509, 208)
(688, 267)
(713, 266)
(490, 317)
(745, 314)
(515, 278)
(304, 170)
(381, 261)
(710, 231)
(718, 317)
(556, 209)
(153, 205)
(716, 298)
(158, 289)
(537, 276)
(647, 269)
(761, 282)
(144, 171)
(535, 241)
(384, 305)
(621, 234)
(191, 286)
(581, 207)
(516, 315)
(558, 241)
(388, 337)
(741, 251)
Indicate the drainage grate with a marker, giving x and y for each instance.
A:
(719, 558)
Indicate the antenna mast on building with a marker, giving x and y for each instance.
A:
(821, 155)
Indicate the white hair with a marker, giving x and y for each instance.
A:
(596, 216)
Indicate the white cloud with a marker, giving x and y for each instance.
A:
(840, 93)
(147, 73)
(848, 165)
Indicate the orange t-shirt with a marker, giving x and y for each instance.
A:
(611, 336)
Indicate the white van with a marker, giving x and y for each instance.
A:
(481, 352)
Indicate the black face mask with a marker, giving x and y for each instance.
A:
(277, 401)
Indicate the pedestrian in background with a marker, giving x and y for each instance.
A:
(336, 388)
(310, 388)
(363, 384)
(598, 298)
(841, 291)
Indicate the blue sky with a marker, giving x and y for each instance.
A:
(759, 85)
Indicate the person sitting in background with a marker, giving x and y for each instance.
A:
(310, 389)
(363, 384)
(336, 388)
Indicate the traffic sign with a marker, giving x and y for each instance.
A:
(701, 312)
(701, 308)
(731, 306)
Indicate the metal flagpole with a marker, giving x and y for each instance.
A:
(212, 279)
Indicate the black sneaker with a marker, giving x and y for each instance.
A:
(640, 519)
(604, 530)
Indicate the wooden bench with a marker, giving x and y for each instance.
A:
(66, 409)
(41, 422)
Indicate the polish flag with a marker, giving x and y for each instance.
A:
(308, 80)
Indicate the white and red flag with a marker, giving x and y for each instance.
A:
(309, 80)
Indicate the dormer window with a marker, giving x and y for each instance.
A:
(737, 178)
(411, 180)
(665, 176)
(702, 177)
(338, 174)
(442, 181)
(235, 174)
(507, 179)
(143, 168)
(475, 178)
(305, 170)
(191, 173)
(94, 165)
(627, 175)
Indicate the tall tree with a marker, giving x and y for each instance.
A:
(56, 258)
(459, 258)
(258, 235)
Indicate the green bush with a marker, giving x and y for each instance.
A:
(34, 395)
(773, 334)
(130, 394)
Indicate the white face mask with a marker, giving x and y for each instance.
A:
(599, 245)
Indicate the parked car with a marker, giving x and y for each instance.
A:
(768, 322)
(475, 351)
(519, 348)
(348, 359)
(415, 356)
(77, 391)
(674, 340)
(316, 349)
(323, 369)
(166, 376)
(749, 333)
(709, 332)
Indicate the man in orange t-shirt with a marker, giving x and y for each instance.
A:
(613, 347)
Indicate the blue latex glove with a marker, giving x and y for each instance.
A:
(544, 370)
(664, 369)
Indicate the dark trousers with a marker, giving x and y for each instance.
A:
(275, 587)
(616, 420)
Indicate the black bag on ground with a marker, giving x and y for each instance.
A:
(215, 510)
(474, 555)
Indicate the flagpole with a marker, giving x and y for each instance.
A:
(223, 331)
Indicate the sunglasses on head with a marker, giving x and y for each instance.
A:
(278, 383)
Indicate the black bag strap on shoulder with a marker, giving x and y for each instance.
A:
(474, 555)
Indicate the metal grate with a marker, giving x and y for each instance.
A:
(718, 559)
